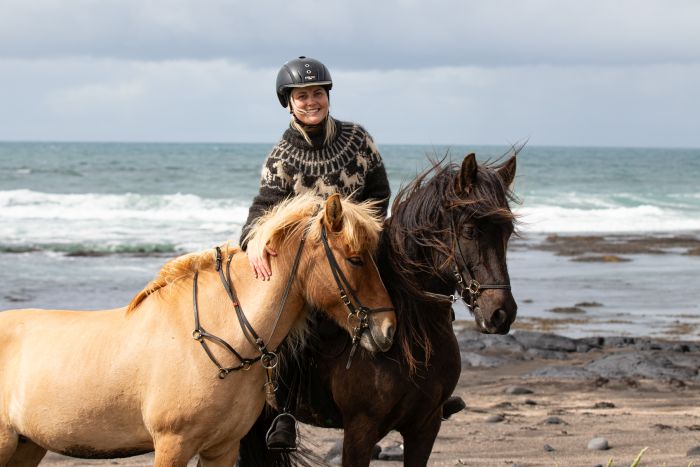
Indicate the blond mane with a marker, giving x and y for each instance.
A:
(284, 223)
(287, 221)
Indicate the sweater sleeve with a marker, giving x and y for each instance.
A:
(275, 186)
(377, 187)
(376, 181)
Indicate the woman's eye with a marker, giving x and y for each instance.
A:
(356, 261)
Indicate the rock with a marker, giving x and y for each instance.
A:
(549, 448)
(601, 259)
(496, 418)
(564, 372)
(544, 341)
(376, 451)
(604, 405)
(335, 451)
(517, 390)
(392, 453)
(694, 452)
(547, 354)
(529, 402)
(568, 310)
(588, 304)
(693, 252)
(639, 365)
(472, 359)
(598, 444)
(554, 421)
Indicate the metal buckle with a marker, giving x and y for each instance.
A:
(474, 287)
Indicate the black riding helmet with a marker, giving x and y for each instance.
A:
(299, 73)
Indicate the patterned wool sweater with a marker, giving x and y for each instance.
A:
(350, 164)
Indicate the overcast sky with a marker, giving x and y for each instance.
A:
(556, 72)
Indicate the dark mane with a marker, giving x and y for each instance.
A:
(417, 245)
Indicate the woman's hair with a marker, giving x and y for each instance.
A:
(329, 129)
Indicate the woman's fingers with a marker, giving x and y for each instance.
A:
(261, 265)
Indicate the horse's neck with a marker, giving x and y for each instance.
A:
(259, 301)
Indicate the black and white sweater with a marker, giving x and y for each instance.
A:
(349, 165)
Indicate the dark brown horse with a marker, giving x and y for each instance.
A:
(448, 231)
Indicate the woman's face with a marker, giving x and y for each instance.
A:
(309, 104)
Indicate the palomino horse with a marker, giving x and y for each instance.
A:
(120, 382)
(448, 231)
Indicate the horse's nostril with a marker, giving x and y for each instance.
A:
(499, 317)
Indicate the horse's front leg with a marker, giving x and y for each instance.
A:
(418, 442)
(223, 455)
(361, 434)
(172, 450)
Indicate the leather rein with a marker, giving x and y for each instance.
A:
(269, 358)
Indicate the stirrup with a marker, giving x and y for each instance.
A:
(282, 435)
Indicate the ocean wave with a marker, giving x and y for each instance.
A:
(645, 218)
(93, 249)
(28, 204)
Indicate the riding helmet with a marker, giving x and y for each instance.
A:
(299, 73)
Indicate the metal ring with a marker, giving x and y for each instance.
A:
(223, 373)
(197, 335)
(473, 287)
(269, 361)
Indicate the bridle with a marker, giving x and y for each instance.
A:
(269, 358)
(360, 313)
(469, 290)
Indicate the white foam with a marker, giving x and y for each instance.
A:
(645, 218)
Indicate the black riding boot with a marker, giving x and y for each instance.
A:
(282, 435)
(452, 405)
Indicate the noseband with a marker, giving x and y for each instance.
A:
(469, 290)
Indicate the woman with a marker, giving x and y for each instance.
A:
(321, 154)
(316, 153)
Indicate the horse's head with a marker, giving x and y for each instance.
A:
(481, 225)
(336, 270)
(348, 286)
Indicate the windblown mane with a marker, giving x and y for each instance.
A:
(418, 243)
(285, 222)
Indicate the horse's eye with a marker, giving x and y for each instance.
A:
(356, 261)
(468, 233)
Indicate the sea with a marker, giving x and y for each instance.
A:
(87, 225)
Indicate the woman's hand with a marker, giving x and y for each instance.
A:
(261, 264)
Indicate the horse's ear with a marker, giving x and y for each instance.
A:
(507, 171)
(334, 213)
(467, 174)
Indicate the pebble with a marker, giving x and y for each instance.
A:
(694, 452)
(517, 390)
(494, 418)
(392, 453)
(555, 421)
(598, 444)
(549, 448)
(604, 405)
(335, 451)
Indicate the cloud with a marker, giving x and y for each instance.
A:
(363, 34)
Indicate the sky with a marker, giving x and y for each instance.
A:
(550, 72)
